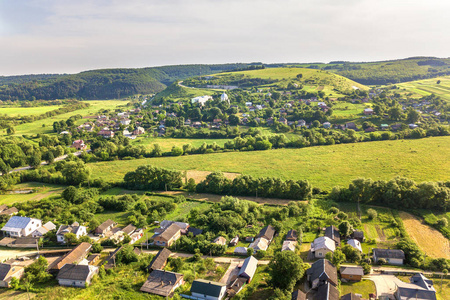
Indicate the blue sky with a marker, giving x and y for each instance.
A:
(62, 36)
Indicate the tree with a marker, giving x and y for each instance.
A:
(75, 172)
(443, 222)
(126, 255)
(250, 251)
(70, 193)
(177, 151)
(191, 185)
(285, 269)
(234, 120)
(338, 257)
(37, 271)
(413, 116)
(10, 130)
(345, 228)
(438, 82)
(372, 213)
(34, 160)
(70, 238)
(97, 248)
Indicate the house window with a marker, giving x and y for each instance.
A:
(320, 253)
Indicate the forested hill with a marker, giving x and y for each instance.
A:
(102, 84)
(387, 72)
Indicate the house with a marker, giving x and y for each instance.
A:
(73, 257)
(9, 211)
(20, 242)
(93, 258)
(267, 232)
(75, 228)
(326, 125)
(393, 257)
(292, 235)
(139, 131)
(321, 246)
(160, 260)
(259, 244)
(283, 120)
(125, 121)
(420, 288)
(240, 251)
(194, 231)
(3, 207)
(355, 244)
(8, 272)
(210, 290)
(201, 99)
(220, 241)
(249, 239)
(127, 230)
(351, 125)
(321, 272)
(358, 235)
(351, 296)
(164, 224)
(248, 268)
(79, 145)
(235, 285)
(168, 236)
(136, 235)
(327, 292)
(333, 233)
(105, 227)
(106, 133)
(301, 123)
(298, 295)
(289, 246)
(352, 273)
(368, 111)
(384, 126)
(76, 275)
(162, 283)
(234, 241)
(41, 231)
(21, 226)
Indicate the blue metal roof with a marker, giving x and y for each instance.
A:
(18, 222)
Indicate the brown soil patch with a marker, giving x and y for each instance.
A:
(42, 196)
(429, 240)
(380, 233)
(216, 198)
(201, 175)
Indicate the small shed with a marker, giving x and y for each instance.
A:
(352, 273)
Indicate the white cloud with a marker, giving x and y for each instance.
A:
(71, 36)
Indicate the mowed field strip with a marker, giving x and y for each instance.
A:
(429, 240)
(325, 166)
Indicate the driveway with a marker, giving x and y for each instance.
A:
(385, 284)
(231, 271)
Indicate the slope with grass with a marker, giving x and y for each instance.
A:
(15, 111)
(325, 166)
(420, 88)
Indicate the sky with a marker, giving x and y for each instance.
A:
(67, 36)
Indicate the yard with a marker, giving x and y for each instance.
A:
(363, 287)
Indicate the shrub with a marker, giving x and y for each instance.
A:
(372, 213)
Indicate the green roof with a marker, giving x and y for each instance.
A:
(206, 287)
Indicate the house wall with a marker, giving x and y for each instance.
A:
(32, 226)
(75, 283)
(17, 273)
(201, 296)
(395, 261)
(320, 253)
(351, 277)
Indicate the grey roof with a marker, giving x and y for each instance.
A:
(105, 225)
(351, 296)
(4, 269)
(409, 293)
(74, 272)
(358, 234)
(389, 253)
(298, 295)
(160, 259)
(129, 229)
(18, 222)
(161, 282)
(195, 231)
(333, 233)
(327, 292)
(357, 270)
(292, 235)
(420, 280)
(206, 287)
(324, 270)
(267, 232)
(170, 231)
(248, 268)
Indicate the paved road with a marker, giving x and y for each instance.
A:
(385, 284)
(231, 271)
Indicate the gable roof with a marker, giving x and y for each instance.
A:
(351, 296)
(63, 229)
(74, 256)
(160, 259)
(129, 229)
(323, 242)
(249, 267)
(260, 243)
(4, 270)
(170, 231)
(9, 211)
(195, 231)
(74, 272)
(267, 232)
(333, 233)
(324, 270)
(298, 295)
(3, 207)
(357, 234)
(292, 235)
(327, 292)
(357, 270)
(105, 225)
(207, 287)
(389, 253)
(355, 244)
(161, 282)
(17, 222)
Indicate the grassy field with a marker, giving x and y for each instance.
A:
(167, 143)
(428, 86)
(312, 80)
(42, 190)
(325, 166)
(37, 126)
(15, 111)
(429, 240)
(364, 287)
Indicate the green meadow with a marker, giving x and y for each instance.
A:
(427, 87)
(167, 143)
(45, 126)
(15, 111)
(325, 166)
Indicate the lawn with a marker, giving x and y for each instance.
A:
(363, 287)
(15, 111)
(325, 166)
(37, 126)
(167, 143)
(41, 191)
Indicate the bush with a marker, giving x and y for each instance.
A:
(382, 261)
(372, 213)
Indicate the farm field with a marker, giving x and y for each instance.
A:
(326, 166)
(429, 240)
(428, 86)
(26, 111)
(37, 126)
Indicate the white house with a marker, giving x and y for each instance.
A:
(224, 97)
(322, 245)
(21, 226)
(355, 244)
(392, 256)
(260, 244)
(201, 99)
(209, 290)
(75, 228)
(76, 275)
(41, 231)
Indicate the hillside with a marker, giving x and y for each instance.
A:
(102, 84)
(420, 88)
(385, 72)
